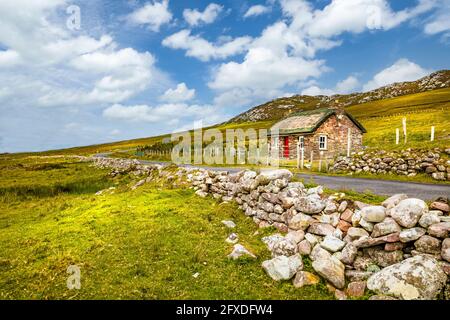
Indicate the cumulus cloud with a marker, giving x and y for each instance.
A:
(180, 94)
(400, 71)
(348, 85)
(195, 17)
(153, 15)
(256, 10)
(204, 50)
(9, 58)
(163, 113)
(440, 20)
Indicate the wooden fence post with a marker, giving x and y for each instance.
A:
(397, 136)
(432, 133)
(404, 129)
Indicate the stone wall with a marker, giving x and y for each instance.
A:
(408, 162)
(399, 249)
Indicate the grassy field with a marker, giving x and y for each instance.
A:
(142, 244)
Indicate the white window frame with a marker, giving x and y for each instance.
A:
(325, 142)
(301, 142)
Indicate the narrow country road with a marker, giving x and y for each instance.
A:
(426, 191)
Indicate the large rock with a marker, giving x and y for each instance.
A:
(373, 213)
(388, 226)
(384, 258)
(321, 229)
(429, 219)
(305, 278)
(284, 247)
(428, 244)
(408, 212)
(269, 175)
(439, 230)
(355, 233)
(311, 204)
(318, 253)
(300, 222)
(331, 269)
(282, 267)
(332, 244)
(349, 253)
(412, 234)
(419, 277)
(441, 206)
(394, 200)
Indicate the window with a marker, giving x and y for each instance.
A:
(323, 142)
(301, 142)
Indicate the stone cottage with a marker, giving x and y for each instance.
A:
(326, 132)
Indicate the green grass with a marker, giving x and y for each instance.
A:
(142, 244)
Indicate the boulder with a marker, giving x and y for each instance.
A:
(284, 247)
(321, 229)
(428, 219)
(342, 206)
(311, 204)
(305, 278)
(347, 215)
(304, 247)
(319, 253)
(419, 277)
(384, 258)
(267, 176)
(332, 244)
(356, 233)
(441, 206)
(439, 230)
(331, 269)
(373, 213)
(408, 212)
(300, 222)
(349, 253)
(282, 267)
(388, 226)
(394, 200)
(356, 289)
(295, 236)
(412, 234)
(428, 244)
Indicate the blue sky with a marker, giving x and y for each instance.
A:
(126, 69)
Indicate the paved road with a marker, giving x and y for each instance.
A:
(426, 191)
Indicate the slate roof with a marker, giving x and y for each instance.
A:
(309, 121)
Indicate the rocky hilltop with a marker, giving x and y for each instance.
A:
(279, 108)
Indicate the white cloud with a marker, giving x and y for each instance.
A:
(194, 17)
(345, 86)
(204, 50)
(180, 94)
(154, 15)
(400, 71)
(440, 21)
(159, 114)
(256, 10)
(9, 58)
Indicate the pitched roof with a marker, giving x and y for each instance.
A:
(309, 121)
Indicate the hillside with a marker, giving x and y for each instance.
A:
(279, 108)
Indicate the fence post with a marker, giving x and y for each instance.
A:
(397, 136)
(302, 163)
(432, 133)
(312, 159)
(298, 155)
(404, 129)
(320, 161)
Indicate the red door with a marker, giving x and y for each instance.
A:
(286, 147)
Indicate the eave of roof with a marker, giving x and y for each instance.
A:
(327, 113)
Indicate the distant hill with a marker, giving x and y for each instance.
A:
(280, 108)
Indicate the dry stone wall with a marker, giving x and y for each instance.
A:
(407, 162)
(399, 249)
